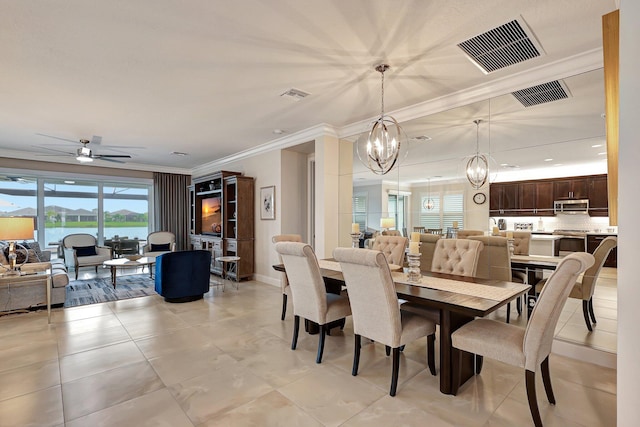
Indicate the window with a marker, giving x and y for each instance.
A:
(447, 208)
(397, 209)
(360, 210)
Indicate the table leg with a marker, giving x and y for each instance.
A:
(113, 276)
(49, 284)
(449, 322)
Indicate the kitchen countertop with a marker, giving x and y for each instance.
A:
(546, 236)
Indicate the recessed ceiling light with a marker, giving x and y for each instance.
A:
(295, 94)
(548, 160)
(604, 153)
(278, 131)
(69, 182)
(178, 153)
(558, 164)
(596, 146)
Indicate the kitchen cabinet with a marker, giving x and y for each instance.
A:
(598, 196)
(503, 198)
(593, 240)
(535, 198)
(571, 188)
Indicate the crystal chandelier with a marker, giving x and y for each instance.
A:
(428, 204)
(379, 148)
(477, 166)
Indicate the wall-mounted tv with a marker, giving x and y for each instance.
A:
(211, 216)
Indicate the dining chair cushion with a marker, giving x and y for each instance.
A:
(456, 256)
(464, 234)
(521, 241)
(497, 340)
(392, 247)
(427, 248)
(494, 261)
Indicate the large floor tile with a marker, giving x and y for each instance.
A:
(29, 378)
(27, 353)
(42, 408)
(389, 411)
(280, 366)
(181, 365)
(79, 342)
(91, 362)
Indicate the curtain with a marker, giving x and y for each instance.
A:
(171, 203)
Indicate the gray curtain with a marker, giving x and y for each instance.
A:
(171, 202)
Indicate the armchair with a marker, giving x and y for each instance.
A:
(158, 243)
(183, 276)
(82, 250)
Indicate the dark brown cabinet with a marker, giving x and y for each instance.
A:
(239, 223)
(598, 196)
(593, 240)
(536, 198)
(503, 198)
(571, 188)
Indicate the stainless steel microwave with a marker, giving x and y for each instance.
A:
(571, 206)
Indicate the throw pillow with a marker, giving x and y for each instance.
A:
(159, 248)
(3, 258)
(20, 255)
(36, 248)
(33, 256)
(85, 250)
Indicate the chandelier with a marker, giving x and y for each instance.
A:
(428, 204)
(379, 148)
(477, 167)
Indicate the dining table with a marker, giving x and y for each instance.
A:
(457, 300)
(533, 266)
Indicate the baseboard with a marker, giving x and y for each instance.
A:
(266, 279)
(585, 354)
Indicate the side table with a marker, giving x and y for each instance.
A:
(232, 268)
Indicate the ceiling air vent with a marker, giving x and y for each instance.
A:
(295, 94)
(502, 46)
(540, 94)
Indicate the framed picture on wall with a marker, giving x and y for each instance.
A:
(268, 202)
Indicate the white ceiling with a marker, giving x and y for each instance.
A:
(205, 77)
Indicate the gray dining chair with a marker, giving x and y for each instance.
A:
(284, 282)
(527, 348)
(310, 298)
(376, 311)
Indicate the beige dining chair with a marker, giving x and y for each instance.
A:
(427, 248)
(465, 234)
(521, 244)
(391, 233)
(434, 231)
(456, 256)
(583, 289)
(375, 309)
(418, 229)
(310, 298)
(284, 282)
(393, 249)
(494, 261)
(527, 348)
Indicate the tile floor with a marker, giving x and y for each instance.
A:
(225, 361)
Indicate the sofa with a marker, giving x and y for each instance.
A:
(33, 294)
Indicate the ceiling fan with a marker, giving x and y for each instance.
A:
(85, 154)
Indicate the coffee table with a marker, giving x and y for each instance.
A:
(125, 262)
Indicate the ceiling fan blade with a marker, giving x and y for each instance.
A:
(56, 137)
(102, 156)
(54, 150)
(106, 159)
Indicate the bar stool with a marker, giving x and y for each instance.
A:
(233, 262)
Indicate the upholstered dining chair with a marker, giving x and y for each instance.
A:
(583, 289)
(527, 348)
(393, 249)
(418, 229)
(391, 233)
(284, 282)
(375, 309)
(521, 244)
(465, 234)
(158, 243)
(428, 244)
(494, 261)
(456, 256)
(310, 298)
(82, 250)
(434, 231)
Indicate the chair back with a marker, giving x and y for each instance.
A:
(307, 286)
(391, 233)
(79, 239)
(465, 234)
(521, 241)
(538, 336)
(437, 231)
(456, 256)
(284, 282)
(494, 261)
(418, 229)
(591, 275)
(427, 248)
(372, 295)
(392, 247)
(162, 238)
(183, 274)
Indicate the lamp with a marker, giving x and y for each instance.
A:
(12, 229)
(477, 166)
(387, 223)
(379, 148)
(429, 203)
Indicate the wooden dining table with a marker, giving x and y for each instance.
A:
(533, 267)
(456, 299)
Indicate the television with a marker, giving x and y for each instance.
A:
(211, 215)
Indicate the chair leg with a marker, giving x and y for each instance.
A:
(585, 313)
(530, 380)
(356, 354)
(519, 305)
(431, 353)
(546, 379)
(284, 306)
(296, 328)
(479, 360)
(321, 335)
(456, 367)
(593, 315)
(387, 350)
(508, 311)
(395, 371)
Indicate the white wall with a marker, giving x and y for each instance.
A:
(629, 206)
(293, 209)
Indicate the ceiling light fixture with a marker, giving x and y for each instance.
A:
(477, 166)
(379, 148)
(84, 159)
(548, 160)
(428, 204)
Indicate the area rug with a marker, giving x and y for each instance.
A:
(100, 289)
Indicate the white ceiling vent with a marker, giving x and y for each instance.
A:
(540, 94)
(502, 46)
(295, 94)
